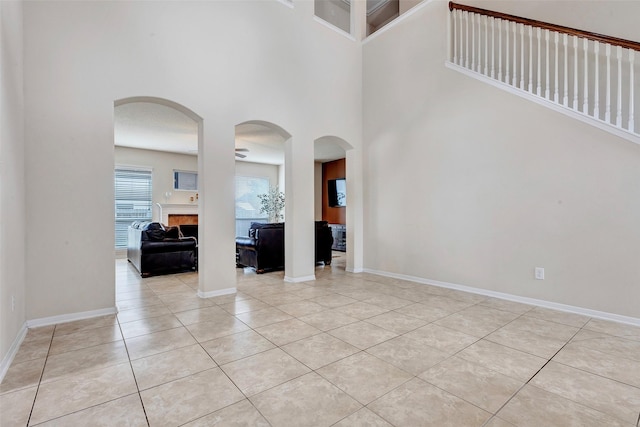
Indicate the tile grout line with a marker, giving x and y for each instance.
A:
(33, 405)
(144, 410)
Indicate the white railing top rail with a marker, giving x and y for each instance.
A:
(614, 41)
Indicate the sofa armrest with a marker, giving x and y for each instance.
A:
(245, 241)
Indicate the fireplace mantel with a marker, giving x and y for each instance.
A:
(166, 209)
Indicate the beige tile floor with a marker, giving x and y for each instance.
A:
(344, 350)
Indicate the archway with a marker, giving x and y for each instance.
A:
(334, 203)
(260, 168)
(160, 137)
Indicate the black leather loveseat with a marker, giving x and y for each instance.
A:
(263, 248)
(153, 249)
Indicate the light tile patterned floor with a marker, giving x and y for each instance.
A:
(344, 350)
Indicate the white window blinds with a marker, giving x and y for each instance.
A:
(133, 200)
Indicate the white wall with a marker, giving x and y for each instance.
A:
(227, 61)
(163, 164)
(12, 179)
(470, 185)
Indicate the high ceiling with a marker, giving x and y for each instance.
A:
(152, 126)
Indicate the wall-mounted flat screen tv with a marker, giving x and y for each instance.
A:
(337, 193)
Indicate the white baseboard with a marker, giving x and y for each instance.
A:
(355, 270)
(64, 318)
(218, 293)
(515, 298)
(13, 350)
(299, 279)
(47, 321)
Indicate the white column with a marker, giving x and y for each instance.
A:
(355, 211)
(216, 235)
(299, 253)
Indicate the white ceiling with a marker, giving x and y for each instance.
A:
(152, 126)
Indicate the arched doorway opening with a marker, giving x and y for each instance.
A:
(260, 169)
(156, 143)
(331, 193)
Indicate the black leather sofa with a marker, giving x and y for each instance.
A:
(263, 248)
(154, 249)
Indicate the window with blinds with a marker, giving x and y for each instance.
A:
(133, 200)
(247, 202)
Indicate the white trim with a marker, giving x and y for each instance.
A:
(399, 19)
(333, 27)
(299, 279)
(288, 3)
(13, 350)
(515, 298)
(64, 318)
(217, 293)
(354, 270)
(622, 133)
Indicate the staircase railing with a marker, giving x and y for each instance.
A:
(587, 75)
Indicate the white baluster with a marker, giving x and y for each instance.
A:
(522, 57)
(575, 73)
(607, 111)
(619, 110)
(461, 44)
(480, 43)
(500, 49)
(530, 87)
(473, 41)
(507, 35)
(547, 91)
(585, 96)
(466, 62)
(565, 99)
(493, 47)
(486, 46)
(539, 86)
(596, 83)
(515, 55)
(455, 35)
(630, 128)
(556, 94)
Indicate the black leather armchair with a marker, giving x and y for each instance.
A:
(154, 250)
(263, 248)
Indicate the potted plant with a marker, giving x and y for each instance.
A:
(272, 203)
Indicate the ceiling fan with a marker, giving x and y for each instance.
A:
(242, 156)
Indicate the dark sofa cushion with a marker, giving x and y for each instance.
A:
(172, 233)
(168, 245)
(154, 231)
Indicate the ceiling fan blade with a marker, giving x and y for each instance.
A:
(242, 156)
(242, 149)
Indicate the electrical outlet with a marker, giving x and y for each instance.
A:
(539, 273)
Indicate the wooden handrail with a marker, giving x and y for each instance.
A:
(628, 44)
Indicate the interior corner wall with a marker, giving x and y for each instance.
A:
(12, 177)
(80, 57)
(471, 185)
